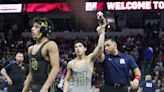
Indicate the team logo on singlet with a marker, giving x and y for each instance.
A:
(82, 78)
(34, 64)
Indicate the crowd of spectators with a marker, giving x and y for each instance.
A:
(134, 45)
(129, 44)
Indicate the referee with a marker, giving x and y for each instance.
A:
(116, 69)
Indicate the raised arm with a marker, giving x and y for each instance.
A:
(100, 46)
(68, 77)
(28, 81)
(53, 54)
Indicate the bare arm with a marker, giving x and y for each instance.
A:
(100, 46)
(135, 83)
(53, 54)
(140, 89)
(101, 56)
(137, 72)
(28, 81)
(67, 81)
(4, 73)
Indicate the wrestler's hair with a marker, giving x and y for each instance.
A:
(81, 41)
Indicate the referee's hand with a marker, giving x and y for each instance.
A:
(101, 28)
(134, 84)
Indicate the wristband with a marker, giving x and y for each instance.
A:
(138, 77)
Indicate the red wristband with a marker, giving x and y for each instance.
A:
(138, 77)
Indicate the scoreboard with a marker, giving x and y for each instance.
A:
(129, 5)
(89, 6)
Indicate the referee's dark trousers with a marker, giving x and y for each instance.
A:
(114, 88)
